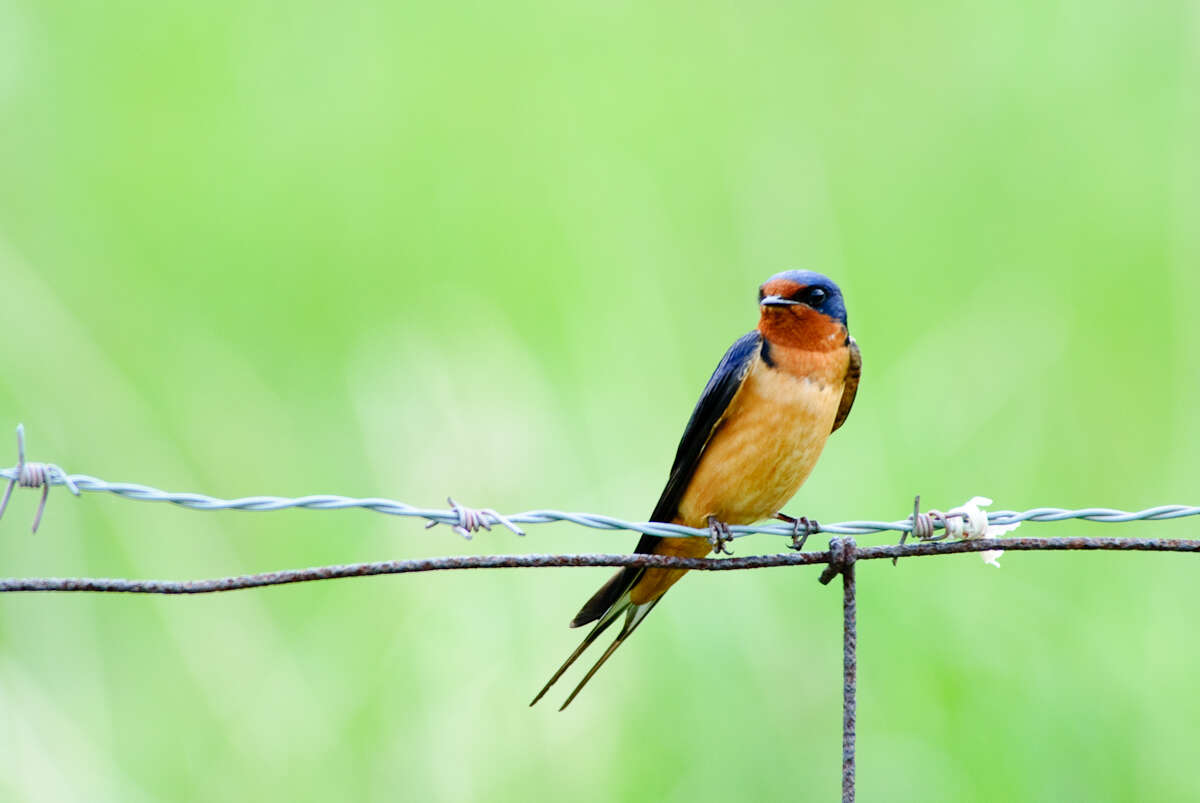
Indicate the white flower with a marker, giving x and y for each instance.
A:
(973, 523)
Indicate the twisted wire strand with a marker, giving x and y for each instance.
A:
(466, 520)
(455, 516)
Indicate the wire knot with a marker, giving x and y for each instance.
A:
(30, 474)
(925, 524)
(841, 558)
(472, 520)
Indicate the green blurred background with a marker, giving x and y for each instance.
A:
(494, 251)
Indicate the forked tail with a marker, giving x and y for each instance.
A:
(634, 614)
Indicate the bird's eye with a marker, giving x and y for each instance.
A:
(814, 296)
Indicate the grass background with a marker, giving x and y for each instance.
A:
(495, 251)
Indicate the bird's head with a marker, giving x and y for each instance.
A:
(802, 309)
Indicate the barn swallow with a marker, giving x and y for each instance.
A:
(753, 438)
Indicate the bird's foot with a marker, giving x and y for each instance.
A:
(802, 528)
(719, 536)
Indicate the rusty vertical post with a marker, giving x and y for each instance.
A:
(849, 672)
(841, 561)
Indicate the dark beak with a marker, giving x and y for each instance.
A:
(777, 301)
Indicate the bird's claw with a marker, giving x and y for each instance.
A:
(802, 528)
(719, 535)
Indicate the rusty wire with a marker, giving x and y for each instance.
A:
(538, 561)
(931, 529)
(840, 558)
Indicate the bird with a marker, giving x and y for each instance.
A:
(752, 440)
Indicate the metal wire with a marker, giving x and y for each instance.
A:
(840, 558)
(28, 474)
(335, 572)
(842, 555)
(458, 515)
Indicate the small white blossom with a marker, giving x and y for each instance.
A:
(974, 524)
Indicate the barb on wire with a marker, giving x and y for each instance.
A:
(34, 475)
(460, 517)
(924, 526)
(471, 520)
(931, 530)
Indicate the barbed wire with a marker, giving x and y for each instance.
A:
(467, 520)
(968, 521)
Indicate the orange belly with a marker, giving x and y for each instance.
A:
(761, 454)
(764, 449)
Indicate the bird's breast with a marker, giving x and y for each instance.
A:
(769, 440)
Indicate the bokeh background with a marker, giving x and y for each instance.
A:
(494, 251)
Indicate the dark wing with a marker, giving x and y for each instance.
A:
(722, 386)
(851, 386)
